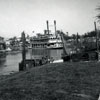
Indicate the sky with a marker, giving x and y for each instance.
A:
(71, 16)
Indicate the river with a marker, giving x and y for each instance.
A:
(10, 63)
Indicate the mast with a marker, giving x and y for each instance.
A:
(97, 46)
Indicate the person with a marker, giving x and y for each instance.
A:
(51, 59)
(40, 62)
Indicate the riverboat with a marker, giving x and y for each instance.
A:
(47, 40)
(54, 42)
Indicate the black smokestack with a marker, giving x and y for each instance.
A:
(47, 26)
(55, 27)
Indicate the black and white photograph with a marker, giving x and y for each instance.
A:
(49, 49)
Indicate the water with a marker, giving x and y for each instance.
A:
(11, 63)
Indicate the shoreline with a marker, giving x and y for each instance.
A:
(63, 81)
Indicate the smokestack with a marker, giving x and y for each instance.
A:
(47, 26)
(55, 27)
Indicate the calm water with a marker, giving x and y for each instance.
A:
(11, 62)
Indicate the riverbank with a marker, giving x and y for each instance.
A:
(56, 81)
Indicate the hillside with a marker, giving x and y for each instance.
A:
(63, 81)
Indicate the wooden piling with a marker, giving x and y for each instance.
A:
(22, 65)
(23, 50)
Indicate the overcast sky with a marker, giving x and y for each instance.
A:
(30, 15)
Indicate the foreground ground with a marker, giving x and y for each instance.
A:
(63, 81)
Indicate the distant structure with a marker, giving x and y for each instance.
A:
(2, 44)
(48, 39)
(2, 47)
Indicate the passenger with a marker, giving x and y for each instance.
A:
(46, 59)
(40, 62)
(51, 59)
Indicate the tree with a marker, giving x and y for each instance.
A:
(98, 16)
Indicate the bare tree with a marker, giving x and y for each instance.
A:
(98, 16)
